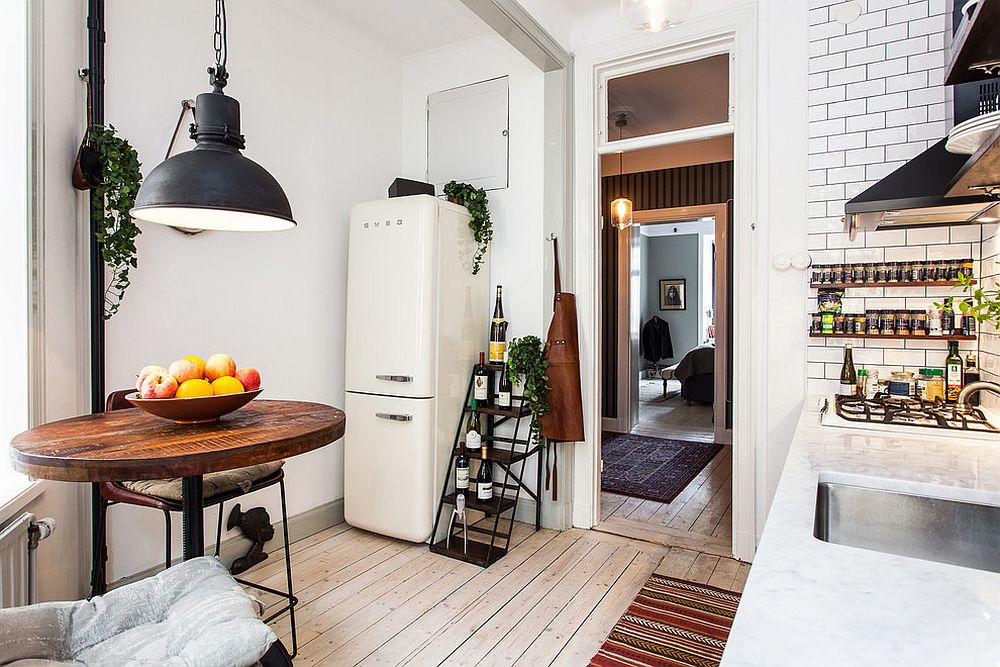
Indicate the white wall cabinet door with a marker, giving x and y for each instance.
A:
(467, 130)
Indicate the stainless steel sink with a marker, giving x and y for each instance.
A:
(936, 529)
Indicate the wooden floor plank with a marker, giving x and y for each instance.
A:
(677, 563)
(554, 636)
(724, 574)
(592, 632)
(563, 549)
(424, 629)
(702, 568)
(740, 580)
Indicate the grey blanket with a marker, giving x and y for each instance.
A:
(696, 362)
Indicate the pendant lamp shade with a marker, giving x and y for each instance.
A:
(654, 15)
(214, 186)
(621, 213)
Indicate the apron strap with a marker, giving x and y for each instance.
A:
(558, 281)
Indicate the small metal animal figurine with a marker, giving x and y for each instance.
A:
(255, 524)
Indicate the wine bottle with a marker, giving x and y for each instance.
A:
(473, 441)
(462, 469)
(504, 389)
(481, 380)
(498, 331)
(484, 480)
(848, 376)
(953, 372)
(971, 375)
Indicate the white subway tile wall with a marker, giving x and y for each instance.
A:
(877, 99)
(989, 337)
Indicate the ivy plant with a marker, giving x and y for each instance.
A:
(527, 365)
(478, 203)
(110, 204)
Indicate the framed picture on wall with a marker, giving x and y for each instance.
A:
(673, 294)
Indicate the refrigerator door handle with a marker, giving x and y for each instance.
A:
(395, 378)
(394, 416)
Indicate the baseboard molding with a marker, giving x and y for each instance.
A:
(300, 527)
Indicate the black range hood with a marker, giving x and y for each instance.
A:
(915, 195)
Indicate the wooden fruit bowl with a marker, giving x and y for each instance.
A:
(200, 410)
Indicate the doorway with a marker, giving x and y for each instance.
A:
(666, 469)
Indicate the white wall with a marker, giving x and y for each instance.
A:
(516, 211)
(877, 98)
(777, 211)
(322, 116)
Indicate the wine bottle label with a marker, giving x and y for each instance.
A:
(473, 440)
(480, 389)
(497, 351)
(461, 478)
(503, 399)
(484, 492)
(847, 389)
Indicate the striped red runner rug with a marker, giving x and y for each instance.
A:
(671, 623)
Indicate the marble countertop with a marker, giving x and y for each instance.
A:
(809, 602)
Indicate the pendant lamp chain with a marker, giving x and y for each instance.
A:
(221, 43)
(621, 207)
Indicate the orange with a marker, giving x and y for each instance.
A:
(199, 361)
(194, 389)
(227, 385)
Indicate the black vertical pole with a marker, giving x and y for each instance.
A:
(95, 72)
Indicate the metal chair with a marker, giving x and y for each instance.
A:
(113, 493)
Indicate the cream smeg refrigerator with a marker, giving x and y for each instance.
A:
(416, 321)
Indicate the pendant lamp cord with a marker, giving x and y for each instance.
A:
(220, 41)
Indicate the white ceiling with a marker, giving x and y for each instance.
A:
(408, 27)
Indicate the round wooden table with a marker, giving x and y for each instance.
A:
(133, 445)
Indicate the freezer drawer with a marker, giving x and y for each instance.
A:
(389, 462)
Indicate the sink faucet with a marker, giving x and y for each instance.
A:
(963, 406)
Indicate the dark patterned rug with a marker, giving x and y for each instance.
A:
(652, 468)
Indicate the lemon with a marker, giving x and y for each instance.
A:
(194, 389)
(199, 361)
(227, 385)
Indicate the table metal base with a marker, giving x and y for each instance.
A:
(192, 504)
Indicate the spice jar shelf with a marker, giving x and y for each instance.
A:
(888, 336)
(926, 283)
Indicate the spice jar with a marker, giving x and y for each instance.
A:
(860, 324)
(954, 268)
(872, 322)
(967, 267)
(930, 384)
(817, 274)
(859, 273)
(918, 322)
(906, 270)
(882, 274)
(940, 271)
(840, 323)
(903, 322)
(871, 273)
(837, 274)
(917, 272)
(816, 324)
(887, 323)
(892, 275)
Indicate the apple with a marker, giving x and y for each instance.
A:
(218, 366)
(158, 385)
(146, 371)
(249, 378)
(184, 370)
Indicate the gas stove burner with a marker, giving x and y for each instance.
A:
(883, 409)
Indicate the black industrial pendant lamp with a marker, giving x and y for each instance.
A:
(213, 186)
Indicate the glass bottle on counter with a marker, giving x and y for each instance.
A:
(953, 369)
(947, 320)
(970, 375)
(848, 376)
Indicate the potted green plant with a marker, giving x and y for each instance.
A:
(111, 201)
(527, 365)
(478, 203)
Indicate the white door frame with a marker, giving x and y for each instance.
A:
(734, 32)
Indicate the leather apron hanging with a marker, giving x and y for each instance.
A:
(562, 351)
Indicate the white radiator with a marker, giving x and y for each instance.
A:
(18, 541)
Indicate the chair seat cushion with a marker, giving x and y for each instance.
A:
(214, 483)
(191, 614)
